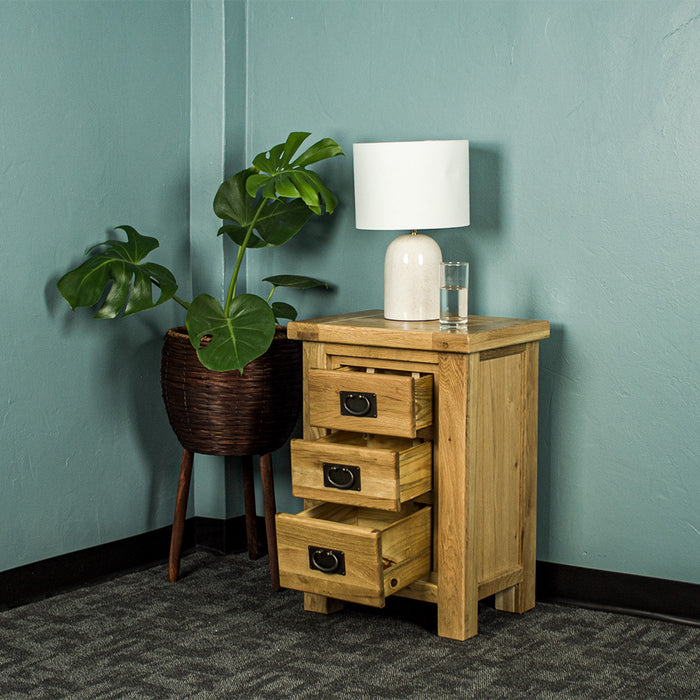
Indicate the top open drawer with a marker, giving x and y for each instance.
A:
(385, 404)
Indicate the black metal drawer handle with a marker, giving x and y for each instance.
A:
(327, 561)
(341, 476)
(355, 403)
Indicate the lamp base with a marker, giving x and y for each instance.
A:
(412, 278)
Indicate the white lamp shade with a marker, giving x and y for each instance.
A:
(411, 185)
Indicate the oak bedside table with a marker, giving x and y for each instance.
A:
(418, 465)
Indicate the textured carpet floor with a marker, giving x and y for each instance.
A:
(221, 633)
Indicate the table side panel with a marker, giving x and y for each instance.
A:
(521, 597)
(499, 459)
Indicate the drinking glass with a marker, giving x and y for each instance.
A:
(454, 288)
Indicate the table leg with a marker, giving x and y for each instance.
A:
(268, 489)
(183, 490)
(458, 603)
(251, 526)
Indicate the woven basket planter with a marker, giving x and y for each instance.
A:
(226, 413)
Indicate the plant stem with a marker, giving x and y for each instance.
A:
(184, 304)
(272, 291)
(239, 259)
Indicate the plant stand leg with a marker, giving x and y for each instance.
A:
(251, 527)
(183, 491)
(268, 489)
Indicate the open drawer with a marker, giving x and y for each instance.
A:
(363, 402)
(353, 554)
(375, 471)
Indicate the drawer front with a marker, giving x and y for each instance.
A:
(355, 469)
(387, 404)
(353, 554)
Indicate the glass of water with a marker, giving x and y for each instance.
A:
(454, 289)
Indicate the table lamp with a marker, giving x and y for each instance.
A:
(411, 185)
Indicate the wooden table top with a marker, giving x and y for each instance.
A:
(372, 329)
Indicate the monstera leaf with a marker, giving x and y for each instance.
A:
(280, 176)
(281, 309)
(295, 281)
(275, 224)
(237, 337)
(118, 270)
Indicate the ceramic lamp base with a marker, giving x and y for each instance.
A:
(412, 279)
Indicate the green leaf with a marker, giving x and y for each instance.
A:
(291, 146)
(135, 249)
(282, 310)
(278, 157)
(325, 148)
(255, 182)
(329, 199)
(117, 272)
(286, 187)
(232, 202)
(295, 281)
(118, 294)
(237, 338)
(275, 176)
(238, 233)
(84, 285)
(278, 222)
(269, 160)
(307, 191)
(281, 220)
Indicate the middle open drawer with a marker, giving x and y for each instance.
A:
(374, 471)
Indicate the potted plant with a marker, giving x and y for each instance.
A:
(267, 204)
(231, 379)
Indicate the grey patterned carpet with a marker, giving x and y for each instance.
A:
(221, 633)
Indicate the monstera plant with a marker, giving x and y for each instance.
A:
(266, 205)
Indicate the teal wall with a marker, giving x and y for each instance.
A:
(585, 159)
(207, 154)
(94, 131)
(585, 163)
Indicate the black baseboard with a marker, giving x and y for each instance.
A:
(607, 590)
(42, 579)
(45, 578)
(626, 593)
(226, 536)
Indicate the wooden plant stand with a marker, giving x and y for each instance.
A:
(268, 491)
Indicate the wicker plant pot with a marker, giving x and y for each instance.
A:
(226, 413)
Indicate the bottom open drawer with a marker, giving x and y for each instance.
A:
(355, 554)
